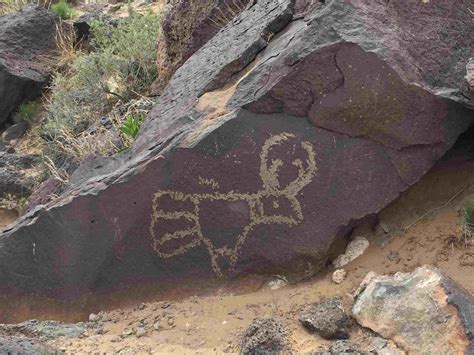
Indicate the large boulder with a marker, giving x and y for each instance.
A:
(272, 142)
(25, 37)
(187, 26)
(424, 312)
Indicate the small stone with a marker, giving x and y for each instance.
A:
(94, 317)
(170, 321)
(344, 347)
(339, 276)
(156, 326)
(141, 306)
(141, 332)
(127, 332)
(328, 319)
(354, 249)
(394, 256)
(276, 283)
(15, 131)
(378, 343)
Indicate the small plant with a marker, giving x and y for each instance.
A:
(29, 110)
(468, 219)
(63, 10)
(131, 125)
(22, 202)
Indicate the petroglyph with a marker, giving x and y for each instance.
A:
(182, 240)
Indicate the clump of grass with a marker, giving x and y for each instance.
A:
(63, 10)
(121, 67)
(29, 110)
(131, 125)
(468, 219)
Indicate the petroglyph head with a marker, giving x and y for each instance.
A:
(270, 168)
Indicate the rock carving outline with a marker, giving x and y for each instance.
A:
(271, 188)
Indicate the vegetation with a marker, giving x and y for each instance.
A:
(468, 220)
(131, 125)
(63, 10)
(29, 110)
(120, 67)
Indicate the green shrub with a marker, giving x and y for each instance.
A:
(131, 125)
(120, 67)
(29, 110)
(63, 10)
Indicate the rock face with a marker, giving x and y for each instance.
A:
(423, 312)
(187, 26)
(24, 37)
(273, 141)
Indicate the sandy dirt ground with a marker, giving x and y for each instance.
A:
(7, 217)
(422, 227)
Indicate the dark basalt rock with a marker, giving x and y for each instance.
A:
(189, 25)
(328, 319)
(264, 336)
(314, 124)
(24, 37)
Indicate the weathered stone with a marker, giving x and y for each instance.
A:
(82, 24)
(328, 319)
(24, 37)
(16, 345)
(422, 312)
(17, 160)
(313, 125)
(14, 182)
(15, 131)
(339, 276)
(276, 282)
(44, 330)
(354, 249)
(264, 336)
(187, 26)
(344, 347)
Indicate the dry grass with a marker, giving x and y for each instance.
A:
(8, 6)
(82, 145)
(67, 48)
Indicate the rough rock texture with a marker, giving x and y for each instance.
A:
(328, 319)
(24, 37)
(354, 249)
(187, 26)
(12, 178)
(15, 345)
(312, 125)
(423, 312)
(264, 336)
(44, 330)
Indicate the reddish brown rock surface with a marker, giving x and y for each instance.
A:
(267, 147)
